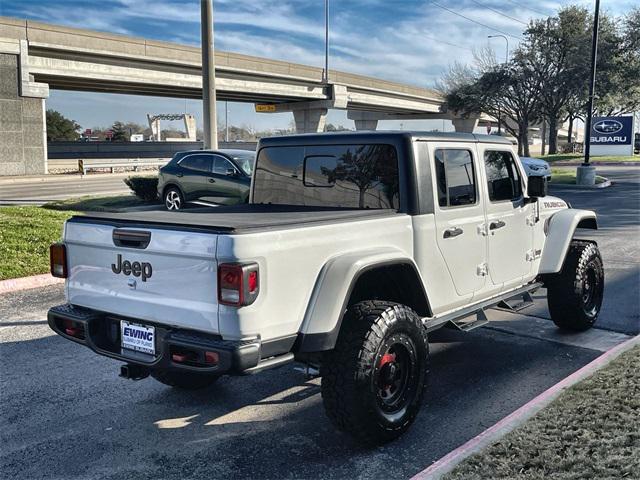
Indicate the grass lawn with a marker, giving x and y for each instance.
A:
(568, 176)
(579, 158)
(591, 431)
(25, 236)
(97, 204)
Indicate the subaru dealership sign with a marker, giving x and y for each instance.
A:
(611, 136)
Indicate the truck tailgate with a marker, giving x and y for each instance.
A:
(171, 280)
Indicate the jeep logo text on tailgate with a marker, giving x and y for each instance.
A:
(136, 269)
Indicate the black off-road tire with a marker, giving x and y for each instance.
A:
(184, 380)
(575, 294)
(358, 377)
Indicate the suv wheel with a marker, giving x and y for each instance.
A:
(374, 379)
(173, 199)
(184, 380)
(575, 294)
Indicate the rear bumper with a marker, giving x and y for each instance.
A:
(101, 333)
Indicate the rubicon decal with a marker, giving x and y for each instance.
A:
(137, 269)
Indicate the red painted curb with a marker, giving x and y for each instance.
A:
(25, 283)
(516, 418)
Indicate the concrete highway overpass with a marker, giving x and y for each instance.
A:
(36, 57)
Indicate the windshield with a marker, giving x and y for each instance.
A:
(245, 162)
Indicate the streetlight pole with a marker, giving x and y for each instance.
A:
(506, 60)
(226, 121)
(208, 76)
(592, 84)
(325, 72)
(506, 57)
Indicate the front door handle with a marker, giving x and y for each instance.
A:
(212, 180)
(496, 225)
(452, 232)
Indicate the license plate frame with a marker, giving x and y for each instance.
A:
(137, 337)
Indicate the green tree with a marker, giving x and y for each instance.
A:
(509, 91)
(120, 132)
(558, 49)
(60, 128)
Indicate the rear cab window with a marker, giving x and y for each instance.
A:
(349, 176)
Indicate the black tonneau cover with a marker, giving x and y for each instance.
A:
(233, 219)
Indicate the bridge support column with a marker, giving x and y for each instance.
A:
(466, 125)
(23, 128)
(310, 120)
(366, 124)
(364, 120)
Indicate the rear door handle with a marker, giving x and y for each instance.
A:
(179, 175)
(452, 232)
(212, 180)
(496, 225)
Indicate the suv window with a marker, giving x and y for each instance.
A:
(455, 177)
(503, 177)
(221, 165)
(199, 162)
(351, 176)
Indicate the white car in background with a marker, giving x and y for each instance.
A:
(535, 167)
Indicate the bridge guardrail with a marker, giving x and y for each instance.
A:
(86, 164)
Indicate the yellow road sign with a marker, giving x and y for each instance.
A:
(264, 108)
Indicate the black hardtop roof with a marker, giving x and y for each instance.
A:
(329, 138)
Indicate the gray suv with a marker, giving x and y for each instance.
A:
(218, 177)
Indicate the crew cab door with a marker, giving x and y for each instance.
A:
(459, 215)
(509, 218)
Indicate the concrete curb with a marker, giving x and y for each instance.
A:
(605, 184)
(512, 421)
(25, 283)
(596, 164)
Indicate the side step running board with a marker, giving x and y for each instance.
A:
(480, 320)
(434, 323)
(271, 362)
(526, 301)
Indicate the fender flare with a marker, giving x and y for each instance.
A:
(560, 231)
(332, 291)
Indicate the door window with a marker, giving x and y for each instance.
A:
(503, 177)
(221, 166)
(200, 163)
(455, 177)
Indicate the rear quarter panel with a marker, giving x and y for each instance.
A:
(290, 263)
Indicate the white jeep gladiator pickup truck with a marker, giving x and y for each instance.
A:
(352, 248)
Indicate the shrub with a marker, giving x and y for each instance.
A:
(145, 188)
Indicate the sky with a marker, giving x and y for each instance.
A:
(408, 41)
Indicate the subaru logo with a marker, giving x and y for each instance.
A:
(607, 126)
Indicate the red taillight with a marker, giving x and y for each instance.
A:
(253, 281)
(58, 260)
(238, 284)
(230, 284)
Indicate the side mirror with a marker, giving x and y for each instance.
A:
(536, 187)
(231, 172)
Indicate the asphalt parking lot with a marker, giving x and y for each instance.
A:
(64, 413)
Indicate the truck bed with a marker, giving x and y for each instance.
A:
(234, 219)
